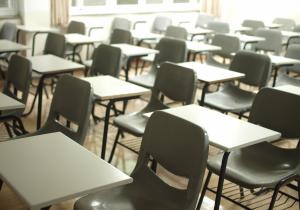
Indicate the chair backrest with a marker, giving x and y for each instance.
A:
(120, 23)
(277, 110)
(176, 32)
(287, 24)
(173, 50)
(272, 43)
(229, 45)
(160, 24)
(293, 51)
(119, 36)
(256, 67)
(175, 82)
(179, 146)
(55, 44)
(203, 19)
(295, 40)
(254, 24)
(106, 61)
(218, 27)
(18, 79)
(8, 31)
(72, 100)
(76, 27)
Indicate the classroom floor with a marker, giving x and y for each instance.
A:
(125, 160)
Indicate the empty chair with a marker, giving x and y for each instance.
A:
(295, 40)
(119, 36)
(72, 101)
(8, 31)
(172, 50)
(254, 24)
(186, 158)
(231, 98)
(229, 44)
(16, 85)
(265, 165)
(293, 51)
(272, 43)
(120, 23)
(203, 19)
(218, 27)
(287, 24)
(174, 82)
(55, 44)
(160, 24)
(176, 32)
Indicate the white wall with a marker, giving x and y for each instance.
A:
(238, 10)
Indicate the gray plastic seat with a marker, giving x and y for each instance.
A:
(287, 24)
(77, 28)
(186, 158)
(176, 32)
(218, 27)
(231, 98)
(55, 44)
(254, 24)
(71, 100)
(272, 43)
(229, 44)
(265, 165)
(174, 82)
(172, 50)
(8, 31)
(119, 36)
(16, 85)
(203, 19)
(295, 40)
(120, 23)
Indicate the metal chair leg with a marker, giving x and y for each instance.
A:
(204, 190)
(298, 187)
(8, 129)
(154, 165)
(242, 194)
(1, 183)
(276, 190)
(114, 146)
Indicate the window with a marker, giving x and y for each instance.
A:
(79, 7)
(8, 7)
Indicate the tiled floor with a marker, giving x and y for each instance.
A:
(124, 160)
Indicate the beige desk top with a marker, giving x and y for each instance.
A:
(8, 103)
(289, 88)
(9, 46)
(132, 50)
(283, 61)
(81, 39)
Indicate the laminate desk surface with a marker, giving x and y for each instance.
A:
(133, 51)
(8, 103)
(7, 46)
(289, 88)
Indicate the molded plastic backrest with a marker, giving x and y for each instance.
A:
(176, 82)
(18, 78)
(256, 67)
(76, 27)
(119, 36)
(55, 44)
(176, 32)
(273, 40)
(120, 23)
(179, 146)
(218, 27)
(286, 23)
(254, 24)
(8, 31)
(277, 110)
(229, 44)
(106, 61)
(160, 24)
(203, 19)
(293, 51)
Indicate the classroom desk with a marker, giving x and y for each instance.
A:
(108, 88)
(141, 36)
(273, 25)
(36, 30)
(198, 47)
(77, 40)
(52, 168)
(224, 132)
(131, 52)
(246, 39)
(211, 75)
(7, 46)
(198, 31)
(290, 35)
(49, 66)
(280, 61)
(8, 103)
(289, 88)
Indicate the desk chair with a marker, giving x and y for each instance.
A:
(174, 82)
(186, 158)
(293, 51)
(77, 28)
(287, 24)
(16, 85)
(229, 44)
(254, 24)
(272, 43)
(203, 19)
(295, 40)
(218, 27)
(120, 23)
(265, 165)
(231, 98)
(176, 32)
(172, 50)
(119, 36)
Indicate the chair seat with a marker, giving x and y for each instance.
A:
(141, 194)
(230, 98)
(145, 80)
(284, 79)
(254, 167)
